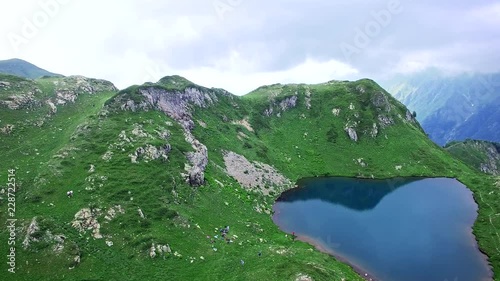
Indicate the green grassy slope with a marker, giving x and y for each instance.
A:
(89, 146)
(483, 156)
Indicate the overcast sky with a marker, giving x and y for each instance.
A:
(242, 44)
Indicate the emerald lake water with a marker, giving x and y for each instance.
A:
(395, 230)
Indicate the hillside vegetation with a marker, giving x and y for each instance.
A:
(158, 169)
(483, 156)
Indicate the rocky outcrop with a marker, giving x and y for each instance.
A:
(80, 84)
(139, 132)
(22, 101)
(66, 90)
(198, 161)
(141, 213)
(159, 250)
(303, 277)
(76, 261)
(288, 103)
(381, 102)
(178, 105)
(52, 106)
(308, 99)
(279, 107)
(4, 84)
(86, 219)
(32, 229)
(65, 96)
(113, 212)
(150, 152)
(269, 111)
(481, 155)
(132, 106)
(244, 123)
(34, 235)
(7, 129)
(57, 240)
(202, 124)
(374, 131)
(165, 134)
(131, 139)
(492, 163)
(489, 168)
(27, 95)
(361, 162)
(107, 156)
(352, 133)
(254, 175)
(385, 121)
(69, 88)
(409, 117)
(75, 256)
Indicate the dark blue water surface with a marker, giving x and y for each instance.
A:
(396, 230)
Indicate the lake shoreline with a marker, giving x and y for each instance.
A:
(475, 239)
(391, 181)
(360, 271)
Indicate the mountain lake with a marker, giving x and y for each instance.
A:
(410, 229)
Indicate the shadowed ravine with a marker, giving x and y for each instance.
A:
(400, 229)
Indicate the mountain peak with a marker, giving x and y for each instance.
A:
(175, 81)
(22, 68)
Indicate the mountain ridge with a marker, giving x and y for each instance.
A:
(483, 156)
(158, 167)
(452, 107)
(22, 68)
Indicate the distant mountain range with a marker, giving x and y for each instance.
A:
(24, 69)
(452, 108)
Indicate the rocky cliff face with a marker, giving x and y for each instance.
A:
(178, 105)
(278, 107)
(492, 165)
(481, 155)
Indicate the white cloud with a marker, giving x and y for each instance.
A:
(257, 42)
(310, 72)
(489, 14)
